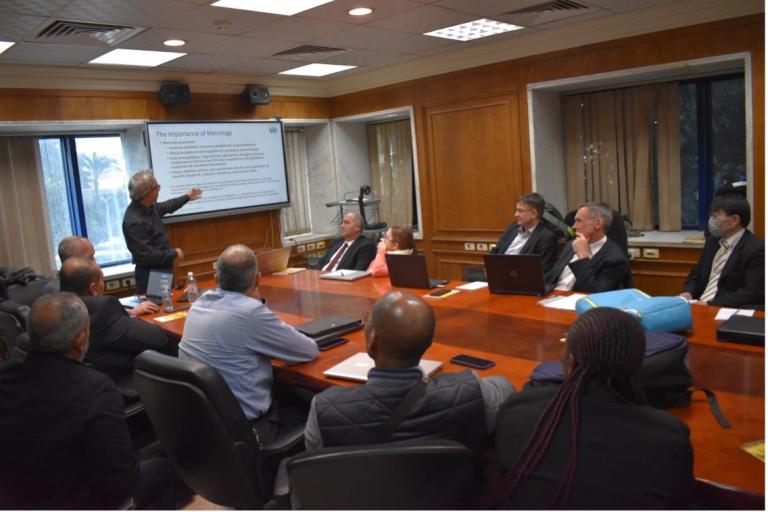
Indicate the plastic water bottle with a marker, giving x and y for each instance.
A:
(167, 297)
(192, 291)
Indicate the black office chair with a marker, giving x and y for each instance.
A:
(13, 322)
(415, 475)
(27, 293)
(714, 496)
(365, 190)
(202, 428)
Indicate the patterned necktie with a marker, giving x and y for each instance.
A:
(717, 267)
(338, 256)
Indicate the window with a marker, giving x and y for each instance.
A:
(86, 186)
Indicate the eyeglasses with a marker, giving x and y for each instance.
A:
(522, 211)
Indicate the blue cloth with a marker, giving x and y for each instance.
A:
(238, 335)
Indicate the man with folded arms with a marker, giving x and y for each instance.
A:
(352, 251)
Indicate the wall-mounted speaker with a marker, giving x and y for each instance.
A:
(173, 94)
(256, 95)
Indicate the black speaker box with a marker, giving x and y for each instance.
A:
(173, 94)
(256, 95)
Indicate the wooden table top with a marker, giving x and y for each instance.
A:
(517, 333)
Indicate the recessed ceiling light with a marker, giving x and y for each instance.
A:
(473, 30)
(174, 42)
(316, 70)
(360, 11)
(285, 7)
(4, 45)
(141, 58)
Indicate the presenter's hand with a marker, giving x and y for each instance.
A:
(581, 246)
(686, 296)
(194, 193)
(179, 254)
(145, 307)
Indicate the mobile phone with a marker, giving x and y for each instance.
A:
(440, 293)
(472, 362)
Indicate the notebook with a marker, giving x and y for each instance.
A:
(345, 275)
(520, 274)
(275, 260)
(356, 367)
(410, 271)
(743, 329)
(330, 325)
(154, 290)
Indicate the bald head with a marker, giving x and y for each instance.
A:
(236, 268)
(400, 330)
(58, 323)
(75, 246)
(80, 276)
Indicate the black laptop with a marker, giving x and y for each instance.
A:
(154, 290)
(326, 330)
(743, 329)
(520, 274)
(410, 271)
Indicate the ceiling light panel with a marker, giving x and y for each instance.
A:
(316, 70)
(473, 30)
(142, 58)
(284, 7)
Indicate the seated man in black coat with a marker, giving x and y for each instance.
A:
(529, 234)
(116, 338)
(731, 269)
(350, 252)
(591, 262)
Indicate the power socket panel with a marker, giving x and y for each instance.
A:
(469, 246)
(482, 247)
(113, 285)
(320, 244)
(649, 253)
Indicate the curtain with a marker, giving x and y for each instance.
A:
(296, 219)
(26, 239)
(609, 142)
(391, 158)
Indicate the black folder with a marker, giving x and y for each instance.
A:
(743, 329)
(328, 329)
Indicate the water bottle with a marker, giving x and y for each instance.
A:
(192, 291)
(167, 297)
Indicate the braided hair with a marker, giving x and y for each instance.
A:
(607, 345)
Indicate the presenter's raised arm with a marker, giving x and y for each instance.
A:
(194, 193)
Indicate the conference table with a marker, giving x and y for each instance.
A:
(518, 333)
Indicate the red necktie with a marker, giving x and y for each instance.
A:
(336, 258)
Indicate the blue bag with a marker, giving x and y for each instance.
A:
(662, 314)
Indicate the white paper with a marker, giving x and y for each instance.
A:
(568, 303)
(725, 313)
(475, 285)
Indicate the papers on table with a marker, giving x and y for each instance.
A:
(173, 316)
(475, 285)
(562, 302)
(288, 271)
(756, 449)
(726, 313)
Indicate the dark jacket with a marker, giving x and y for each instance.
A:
(63, 438)
(357, 256)
(741, 281)
(116, 339)
(629, 456)
(452, 407)
(543, 241)
(605, 271)
(144, 232)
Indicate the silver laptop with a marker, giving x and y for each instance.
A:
(275, 260)
(345, 275)
(154, 290)
(356, 368)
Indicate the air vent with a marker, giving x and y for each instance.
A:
(92, 34)
(307, 49)
(556, 5)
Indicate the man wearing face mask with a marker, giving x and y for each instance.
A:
(731, 269)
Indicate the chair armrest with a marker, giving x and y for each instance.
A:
(286, 442)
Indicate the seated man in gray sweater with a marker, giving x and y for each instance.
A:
(457, 406)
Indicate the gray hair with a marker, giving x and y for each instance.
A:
(72, 246)
(140, 184)
(356, 218)
(55, 321)
(599, 210)
(236, 268)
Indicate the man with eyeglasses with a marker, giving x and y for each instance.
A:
(143, 226)
(731, 269)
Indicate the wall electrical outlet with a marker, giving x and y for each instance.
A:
(482, 247)
(113, 285)
(320, 244)
(469, 246)
(492, 247)
(634, 252)
(213, 264)
(651, 253)
(301, 249)
(311, 247)
(128, 282)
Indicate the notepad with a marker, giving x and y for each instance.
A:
(755, 449)
(173, 316)
(568, 303)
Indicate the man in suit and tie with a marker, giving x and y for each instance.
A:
(352, 251)
(529, 234)
(591, 262)
(731, 269)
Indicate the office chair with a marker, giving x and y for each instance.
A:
(365, 190)
(13, 322)
(202, 428)
(416, 475)
(27, 293)
(617, 232)
(713, 496)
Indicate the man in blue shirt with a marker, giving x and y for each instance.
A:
(230, 329)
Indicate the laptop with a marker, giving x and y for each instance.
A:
(345, 275)
(154, 290)
(275, 260)
(328, 329)
(410, 271)
(748, 330)
(520, 274)
(356, 368)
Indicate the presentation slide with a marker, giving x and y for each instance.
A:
(240, 166)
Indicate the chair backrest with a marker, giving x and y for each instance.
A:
(27, 293)
(413, 475)
(201, 426)
(377, 226)
(713, 496)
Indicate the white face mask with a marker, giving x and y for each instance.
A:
(716, 226)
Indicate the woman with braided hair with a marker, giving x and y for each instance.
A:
(591, 443)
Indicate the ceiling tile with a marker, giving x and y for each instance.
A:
(248, 47)
(366, 58)
(34, 7)
(296, 29)
(229, 64)
(145, 13)
(338, 10)
(624, 5)
(486, 8)
(205, 18)
(17, 27)
(152, 39)
(423, 19)
(50, 54)
(369, 38)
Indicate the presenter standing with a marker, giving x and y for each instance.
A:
(144, 230)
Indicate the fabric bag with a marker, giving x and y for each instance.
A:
(662, 314)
